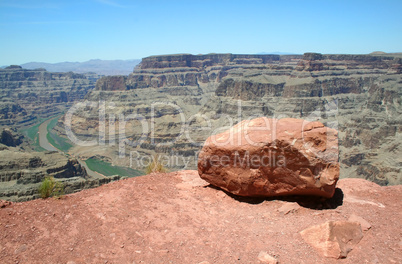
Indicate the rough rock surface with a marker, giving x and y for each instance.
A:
(29, 94)
(359, 95)
(176, 218)
(10, 137)
(363, 223)
(4, 204)
(264, 257)
(26, 98)
(333, 239)
(111, 83)
(271, 157)
(22, 172)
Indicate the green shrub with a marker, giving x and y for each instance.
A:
(50, 188)
(155, 166)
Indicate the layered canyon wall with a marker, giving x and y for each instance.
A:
(177, 101)
(26, 95)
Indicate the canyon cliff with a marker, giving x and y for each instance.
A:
(175, 102)
(27, 95)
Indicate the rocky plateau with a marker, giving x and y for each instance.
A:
(179, 218)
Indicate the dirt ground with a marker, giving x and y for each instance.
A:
(178, 218)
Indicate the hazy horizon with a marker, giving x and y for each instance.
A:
(78, 31)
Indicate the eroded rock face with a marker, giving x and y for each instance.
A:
(29, 94)
(363, 93)
(4, 204)
(111, 83)
(10, 137)
(271, 157)
(22, 172)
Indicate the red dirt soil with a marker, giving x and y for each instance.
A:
(178, 218)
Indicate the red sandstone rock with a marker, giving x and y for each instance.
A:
(271, 157)
(363, 223)
(288, 208)
(4, 203)
(333, 239)
(264, 257)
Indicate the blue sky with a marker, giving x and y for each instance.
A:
(79, 30)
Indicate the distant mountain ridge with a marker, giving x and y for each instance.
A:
(101, 67)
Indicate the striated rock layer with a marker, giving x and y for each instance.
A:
(26, 97)
(180, 100)
(22, 173)
(271, 157)
(29, 94)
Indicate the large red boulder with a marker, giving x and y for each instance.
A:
(272, 157)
